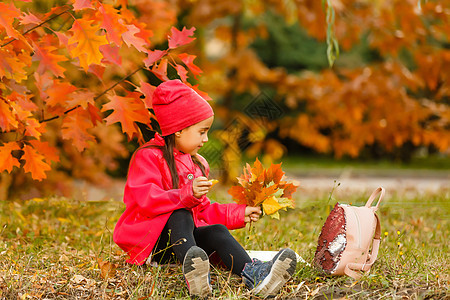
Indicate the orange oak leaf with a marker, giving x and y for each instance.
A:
(95, 114)
(153, 56)
(34, 163)
(7, 161)
(188, 60)
(112, 23)
(33, 127)
(75, 128)
(81, 98)
(180, 38)
(7, 119)
(50, 153)
(59, 93)
(13, 66)
(127, 111)
(87, 42)
(42, 83)
(130, 38)
(8, 12)
(48, 60)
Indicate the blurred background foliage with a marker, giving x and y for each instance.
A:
(274, 93)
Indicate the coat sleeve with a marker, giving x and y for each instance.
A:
(144, 187)
(232, 215)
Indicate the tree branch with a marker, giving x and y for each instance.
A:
(38, 25)
(96, 97)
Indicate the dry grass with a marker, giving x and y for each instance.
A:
(63, 249)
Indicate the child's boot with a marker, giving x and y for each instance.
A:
(267, 278)
(196, 272)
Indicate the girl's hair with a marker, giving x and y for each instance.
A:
(167, 150)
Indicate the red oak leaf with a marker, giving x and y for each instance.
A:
(182, 72)
(180, 38)
(153, 56)
(160, 70)
(82, 4)
(201, 93)
(111, 54)
(111, 22)
(188, 60)
(131, 39)
(147, 89)
(29, 18)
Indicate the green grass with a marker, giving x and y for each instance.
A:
(51, 248)
(423, 166)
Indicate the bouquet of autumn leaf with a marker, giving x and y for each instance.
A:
(265, 187)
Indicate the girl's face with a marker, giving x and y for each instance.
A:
(192, 138)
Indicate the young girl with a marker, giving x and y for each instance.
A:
(167, 212)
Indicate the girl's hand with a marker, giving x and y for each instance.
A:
(252, 213)
(200, 186)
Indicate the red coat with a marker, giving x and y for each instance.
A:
(150, 199)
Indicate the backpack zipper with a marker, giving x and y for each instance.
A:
(359, 228)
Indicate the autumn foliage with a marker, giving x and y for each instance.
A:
(399, 98)
(264, 187)
(77, 76)
(70, 72)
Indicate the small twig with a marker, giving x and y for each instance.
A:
(34, 27)
(96, 97)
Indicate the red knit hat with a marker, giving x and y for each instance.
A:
(178, 106)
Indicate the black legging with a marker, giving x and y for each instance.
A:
(182, 234)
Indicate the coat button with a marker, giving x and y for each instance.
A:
(190, 176)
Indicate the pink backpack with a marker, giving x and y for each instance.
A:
(346, 238)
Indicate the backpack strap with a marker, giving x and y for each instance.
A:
(372, 197)
(352, 269)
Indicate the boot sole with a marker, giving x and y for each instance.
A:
(281, 271)
(196, 272)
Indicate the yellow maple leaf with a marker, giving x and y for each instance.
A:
(272, 205)
(87, 42)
